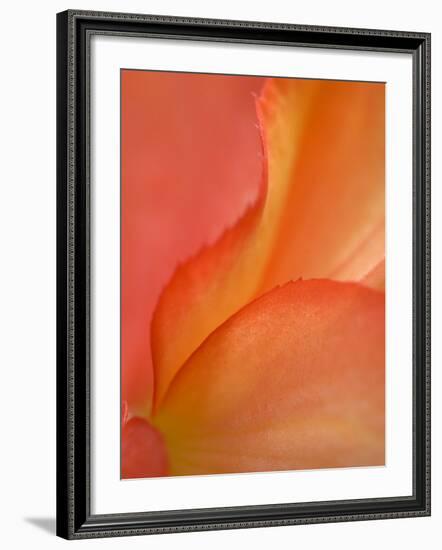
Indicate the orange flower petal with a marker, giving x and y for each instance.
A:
(191, 163)
(143, 453)
(222, 278)
(295, 380)
(332, 225)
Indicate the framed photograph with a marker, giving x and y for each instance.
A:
(243, 274)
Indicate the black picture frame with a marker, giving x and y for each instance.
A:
(74, 518)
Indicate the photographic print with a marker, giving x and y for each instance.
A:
(243, 274)
(252, 274)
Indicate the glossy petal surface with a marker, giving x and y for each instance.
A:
(295, 380)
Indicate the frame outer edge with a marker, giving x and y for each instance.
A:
(427, 266)
(63, 503)
(71, 520)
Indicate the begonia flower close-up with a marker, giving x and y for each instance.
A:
(252, 274)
